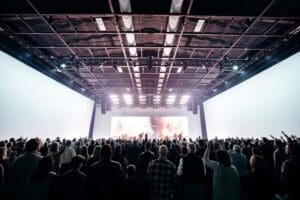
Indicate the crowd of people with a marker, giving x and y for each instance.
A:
(220, 169)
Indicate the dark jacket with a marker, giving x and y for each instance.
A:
(105, 180)
(193, 169)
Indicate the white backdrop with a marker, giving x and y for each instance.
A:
(264, 104)
(32, 104)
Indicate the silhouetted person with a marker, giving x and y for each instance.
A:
(74, 181)
(161, 174)
(144, 159)
(239, 161)
(105, 179)
(279, 157)
(4, 162)
(133, 153)
(226, 180)
(24, 167)
(131, 184)
(258, 185)
(119, 157)
(192, 170)
(44, 181)
(96, 156)
(291, 172)
(66, 157)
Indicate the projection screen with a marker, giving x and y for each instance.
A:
(154, 126)
(34, 105)
(264, 104)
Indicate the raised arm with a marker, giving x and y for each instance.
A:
(209, 163)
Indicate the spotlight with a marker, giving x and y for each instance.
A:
(63, 65)
(235, 67)
(179, 70)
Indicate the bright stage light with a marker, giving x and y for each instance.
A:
(235, 67)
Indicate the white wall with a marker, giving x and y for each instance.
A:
(103, 121)
(34, 105)
(264, 104)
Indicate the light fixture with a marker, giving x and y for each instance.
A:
(136, 69)
(163, 69)
(170, 90)
(137, 75)
(186, 96)
(199, 25)
(100, 24)
(63, 65)
(128, 89)
(172, 96)
(179, 70)
(112, 96)
(120, 70)
(235, 67)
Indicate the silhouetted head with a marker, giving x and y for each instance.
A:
(223, 158)
(68, 143)
(148, 146)
(77, 161)
(106, 152)
(45, 165)
(257, 164)
(236, 148)
(32, 145)
(97, 152)
(163, 151)
(191, 148)
(291, 149)
(131, 170)
(54, 147)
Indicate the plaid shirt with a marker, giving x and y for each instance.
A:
(162, 175)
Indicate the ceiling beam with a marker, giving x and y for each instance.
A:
(62, 15)
(63, 41)
(121, 43)
(142, 46)
(237, 40)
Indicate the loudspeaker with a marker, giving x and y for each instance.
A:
(195, 106)
(189, 106)
(108, 106)
(103, 106)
